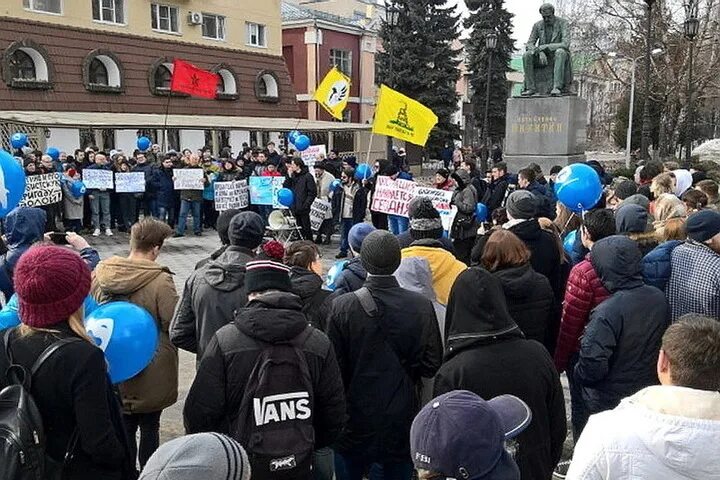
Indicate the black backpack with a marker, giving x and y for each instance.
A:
(275, 421)
(22, 436)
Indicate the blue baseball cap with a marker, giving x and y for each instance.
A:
(461, 436)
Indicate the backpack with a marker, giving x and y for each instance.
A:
(275, 421)
(22, 436)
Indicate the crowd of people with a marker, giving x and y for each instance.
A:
(438, 354)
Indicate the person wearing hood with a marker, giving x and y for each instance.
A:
(273, 315)
(487, 354)
(621, 342)
(206, 456)
(528, 294)
(464, 228)
(420, 215)
(305, 262)
(632, 220)
(222, 226)
(214, 292)
(665, 431)
(683, 182)
(140, 280)
(353, 275)
(302, 183)
(442, 180)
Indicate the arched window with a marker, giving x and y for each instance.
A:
(266, 87)
(98, 74)
(102, 72)
(26, 65)
(228, 87)
(159, 77)
(163, 75)
(22, 66)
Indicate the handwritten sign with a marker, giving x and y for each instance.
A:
(312, 154)
(189, 178)
(441, 201)
(130, 182)
(96, 179)
(41, 190)
(231, 195)
(392, 196)
(320, 210)
(263, 190)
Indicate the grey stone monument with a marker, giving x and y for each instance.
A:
(546, 124)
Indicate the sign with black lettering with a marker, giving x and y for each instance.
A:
(41, 190)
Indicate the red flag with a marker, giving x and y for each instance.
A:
(187, 78)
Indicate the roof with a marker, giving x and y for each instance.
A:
(296, 13)
(189, 122)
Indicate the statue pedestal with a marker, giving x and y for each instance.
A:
(545, 130)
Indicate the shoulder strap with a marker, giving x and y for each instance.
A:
(6, 341)
(367, 301)
(49, 351)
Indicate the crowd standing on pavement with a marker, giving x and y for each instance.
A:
(437, 353)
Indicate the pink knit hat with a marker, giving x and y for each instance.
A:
(51, 283)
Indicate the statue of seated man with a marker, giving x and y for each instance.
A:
(549, 45)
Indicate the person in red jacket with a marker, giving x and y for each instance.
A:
(584, 292)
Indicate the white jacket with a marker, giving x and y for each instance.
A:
(662, 432)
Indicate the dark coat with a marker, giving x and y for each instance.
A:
(351, 278)
(498, 189)
(405, 239)
(545, 206)
(23, 227)
(381, 392)
(465, 198)
(72, 390)
(359, 208)
(488, 355)
(529, 298)
(308, 286)
(304, 189)
(618, 352)
(161, 180)
(149, 170)
(657, 265)
(214, 399)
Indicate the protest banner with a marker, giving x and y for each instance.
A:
(41, 190)
(96, 179)
(441, 201)
(189, 178)
(312, 154)
(130, 182)
(319, 212)
(392, 196)
(229, 195)
(263, 190)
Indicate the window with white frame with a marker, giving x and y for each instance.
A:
(213, 26)
(164, 18)
(111, 11)
(47, 6)
(256, 35)
(342, 59)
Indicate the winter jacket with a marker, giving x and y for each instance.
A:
(487, 354)
(214, 399)
(72, 391)
(164, 187)
(499, 189)
(351, 278)
(72, 205)
(193, 195)
(303, 186)
(380, 390)
(657, 264)
(529, 298)
(323, 185)
(149, 170)
(210, 298)
(545, 206)
(444, 266)
(618, 352)
(694, 285)
(359, 206)
(465, 198)
(584, 292)
(150, 286)
(660, 432)
(23, 227)
(406, 239)
(308, 286)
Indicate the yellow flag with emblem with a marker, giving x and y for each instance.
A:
(399, 116)
(333, 93)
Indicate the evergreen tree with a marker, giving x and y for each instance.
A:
(424, 62)
(489, 16)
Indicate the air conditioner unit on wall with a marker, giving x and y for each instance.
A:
(194, 18)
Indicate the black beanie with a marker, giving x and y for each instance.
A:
(424, 219)
(246, 230)
(223, 224)
(263, 275)
(380, 253)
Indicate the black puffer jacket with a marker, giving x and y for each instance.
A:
(308, 286)
(351, 278)
(619, 349)
(529, 298)
(488, 355)
(214, 399)
(380, 391)
(304, 189)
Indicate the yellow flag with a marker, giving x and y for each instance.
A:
(334, 92)
(402, 117)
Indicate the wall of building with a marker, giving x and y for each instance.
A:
(78, 13)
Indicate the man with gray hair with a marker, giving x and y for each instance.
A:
(548, 46)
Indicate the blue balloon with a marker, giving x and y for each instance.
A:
(569, 241)
(293, 136)
(78, 189)
(9, 319)
(363, 172)
(336, 185)
(90, 305)
(333, 274)
(53, 152)
(9, 316)
(18, 140)
(578, 187)
(286, 197)
(12, 183)
(302, 143)
(127, 334)
(143, 143)
(481, 212)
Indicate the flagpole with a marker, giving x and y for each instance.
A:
(165, 123)
(367, 160)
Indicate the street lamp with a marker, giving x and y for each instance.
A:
(392, 18)
(628, 142)
(692, 27)
(647, 119)
(490, 45)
